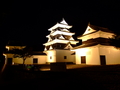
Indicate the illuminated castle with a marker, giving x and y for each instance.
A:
(60, 41)
(61, 47)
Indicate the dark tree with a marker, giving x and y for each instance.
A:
(22, 53)
(115, 41)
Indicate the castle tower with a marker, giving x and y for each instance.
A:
(59, 43)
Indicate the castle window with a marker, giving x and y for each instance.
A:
(60, 45)
(35, 60)
(50, 57)
(65, 57)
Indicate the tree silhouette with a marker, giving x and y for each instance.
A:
(22, 53)
(115, 41)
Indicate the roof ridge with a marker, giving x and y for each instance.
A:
(95, 27)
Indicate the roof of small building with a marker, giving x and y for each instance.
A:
(59, 46)
(89, 45)
(73, 53)
(93, 42)
(97, 28)
(38, 53)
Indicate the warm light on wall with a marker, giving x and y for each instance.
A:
(83, 51)
(51, 56)
(116, 49)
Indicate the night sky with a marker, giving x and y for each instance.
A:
(29, 21)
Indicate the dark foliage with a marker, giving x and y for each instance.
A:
(115, 41)
(22, 53)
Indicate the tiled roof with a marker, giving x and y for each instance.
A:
(73, 53)
(97, 28)
(58, 46)
(93, 42)
(38, 53)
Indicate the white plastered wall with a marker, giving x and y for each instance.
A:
(41, 59)
(111, 53)
(91, 53)
(51, 56)
(17, 60)
(61, 53)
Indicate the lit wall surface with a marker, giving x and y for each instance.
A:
(112, 55)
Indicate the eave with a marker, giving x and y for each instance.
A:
(80, 37)
(59, 25)
(60, 41)
(60, 32)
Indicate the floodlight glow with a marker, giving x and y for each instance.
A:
(7, 48)
(83, 51)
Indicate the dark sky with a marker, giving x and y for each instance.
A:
(29, 21)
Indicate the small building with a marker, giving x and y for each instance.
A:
(35, 58)
(95, 48)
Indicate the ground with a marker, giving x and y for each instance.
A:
(81, 77)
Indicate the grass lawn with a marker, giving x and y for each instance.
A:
(81, 77)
